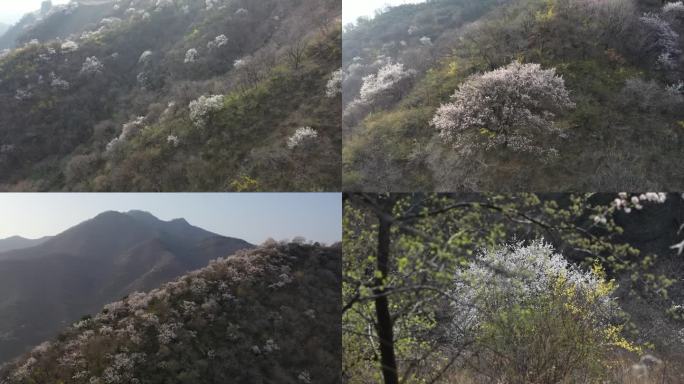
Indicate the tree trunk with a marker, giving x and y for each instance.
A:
(384, 324)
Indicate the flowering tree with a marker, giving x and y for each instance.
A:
(201, 108)
(145, 57)
(91, 66)
(334, 86)
(69, 46)
(303, 137)
(508, 107)
(388, 84)
(218, 42)
(662, 38)
(191, 56)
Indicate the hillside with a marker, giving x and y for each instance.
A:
(173, 95)
(269, 315)
(18, 242)
(434, 99)
(45, 287)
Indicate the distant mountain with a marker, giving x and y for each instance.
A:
(45, 287)
(172, 95)
(3, 28)
(268, 315)
(18, 242)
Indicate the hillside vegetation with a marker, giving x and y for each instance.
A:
(269, 315)
(513, 289)
(515, 95)
(173, 95)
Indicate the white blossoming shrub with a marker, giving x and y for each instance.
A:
(241, 63)
(173, 140)
(334, 86)
(57, 82)
(201, 108)
(145, 57)
(676, 7)
(511, 107)
(191, 56)
(663, 38)
(303, 137)
(211, 4)
(218, 42)
(69, 46)
(128, 130)
(92, 66)
(512, 300)
(23, 94)
(389, 84)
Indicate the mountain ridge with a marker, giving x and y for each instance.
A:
(94, 262)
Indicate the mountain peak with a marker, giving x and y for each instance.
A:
(138, 214)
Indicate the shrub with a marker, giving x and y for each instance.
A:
(202, 107)
(387, 85)
(334, 86)
(303, 137)
(534, 318)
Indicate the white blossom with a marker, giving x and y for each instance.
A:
(508, 107)
(676, 7)
(168, 332)
(191, 55)
(516, 274)
(57, 82)
(663, 37)
(218, 42)
(69, 46)
(145, 57)
(241, 63)
(271, 346)
(304, 136)
(389, 79)
(304, 377)
(22, 94)
(173, 140)
(334, 86)
(202, 107)
(92, 65)
(426, 41)
(128, 130)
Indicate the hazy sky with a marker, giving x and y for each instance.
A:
(250, 216)
(12, 10)
(353, 9)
